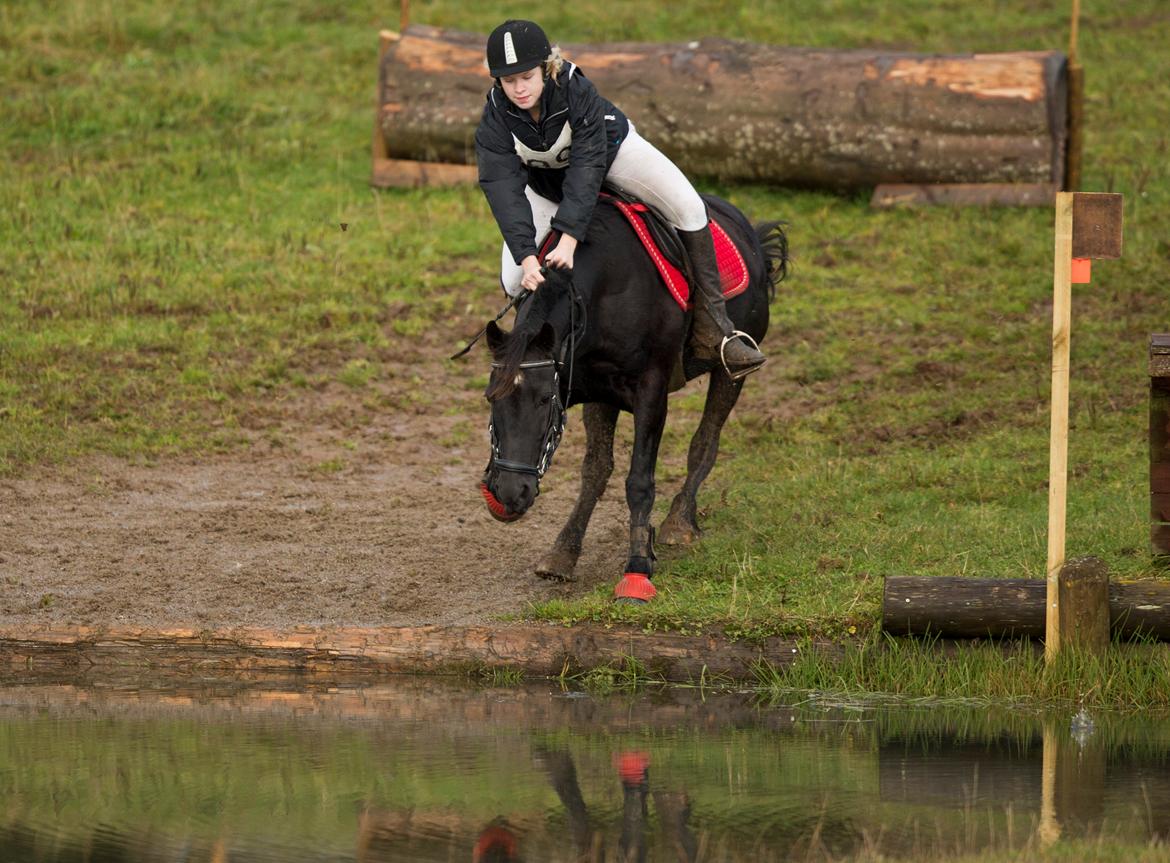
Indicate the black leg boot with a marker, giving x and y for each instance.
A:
(713, 336)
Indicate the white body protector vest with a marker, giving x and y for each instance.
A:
(556, 156)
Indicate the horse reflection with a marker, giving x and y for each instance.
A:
(588, 839)
(529, 836)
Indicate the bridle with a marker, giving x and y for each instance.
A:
(553, 430)
(555, 425)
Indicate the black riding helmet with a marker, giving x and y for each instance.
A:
(516, 46)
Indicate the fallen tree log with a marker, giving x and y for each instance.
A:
(738, 110)
(537, 649)
(958, 607)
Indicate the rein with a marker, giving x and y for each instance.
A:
(557, 411)
(512, 303)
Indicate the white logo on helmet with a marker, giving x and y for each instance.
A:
(509, 49)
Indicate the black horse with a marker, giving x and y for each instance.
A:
(608, 336)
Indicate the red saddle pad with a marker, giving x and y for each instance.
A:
(733, 272)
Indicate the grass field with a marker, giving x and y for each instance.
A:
(173, 178)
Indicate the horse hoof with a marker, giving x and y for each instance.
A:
(561, 577)
(556, 567)
(676, 532)
(634, 589)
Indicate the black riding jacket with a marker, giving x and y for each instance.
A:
(564, 157)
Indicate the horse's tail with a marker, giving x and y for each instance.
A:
(774, 244)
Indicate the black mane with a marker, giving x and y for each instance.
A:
(541, 308)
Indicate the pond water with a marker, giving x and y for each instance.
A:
(420, 769)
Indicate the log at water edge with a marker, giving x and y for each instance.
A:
(960, 607)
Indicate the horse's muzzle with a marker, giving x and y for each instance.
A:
(498, 510)
(508, 494)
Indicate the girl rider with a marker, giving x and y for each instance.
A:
(546, 142)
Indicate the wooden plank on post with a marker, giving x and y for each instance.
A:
(1096, 225)
(1058, 439)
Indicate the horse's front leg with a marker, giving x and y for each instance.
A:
(649, 421)
(561, 559)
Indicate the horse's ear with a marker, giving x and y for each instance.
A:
(545, 340)
(496, 338)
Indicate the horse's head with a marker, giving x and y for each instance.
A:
(527, 417)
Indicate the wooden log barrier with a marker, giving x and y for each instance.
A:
(537, 649)
(738, 110)
(960, 607)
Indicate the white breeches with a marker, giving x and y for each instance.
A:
(641, 171)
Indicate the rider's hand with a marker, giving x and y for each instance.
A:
(562, 256)
(532, 279)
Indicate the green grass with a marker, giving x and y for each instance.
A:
(1129, 677)
(1069, 851)
(173, 182)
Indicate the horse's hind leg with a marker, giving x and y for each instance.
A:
(680, 527)
(561, 559)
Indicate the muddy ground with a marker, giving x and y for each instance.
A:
(344, 507)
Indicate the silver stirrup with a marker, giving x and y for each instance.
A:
(742, 373)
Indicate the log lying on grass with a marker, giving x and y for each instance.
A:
(536, 649)
(1010, 607)
(738, 110)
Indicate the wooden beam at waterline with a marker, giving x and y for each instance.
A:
(961, 607)
(539, 650)
(740, 110)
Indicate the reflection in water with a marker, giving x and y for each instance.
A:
(418, 770)
(499, 841)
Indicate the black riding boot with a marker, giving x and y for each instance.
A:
(713, 336)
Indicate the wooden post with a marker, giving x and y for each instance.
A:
(404, 15)
(1088, 226)
(1049, 827)
(1160, 443)
(1083, 604)
(1072, 783)
(1076, 107)
(1058, 435)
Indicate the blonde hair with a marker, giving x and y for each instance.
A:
(554, 62)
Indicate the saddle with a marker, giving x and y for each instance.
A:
(662, 244)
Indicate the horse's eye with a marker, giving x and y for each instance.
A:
(544, 400)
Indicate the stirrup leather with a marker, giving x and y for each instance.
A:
(741, 373)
